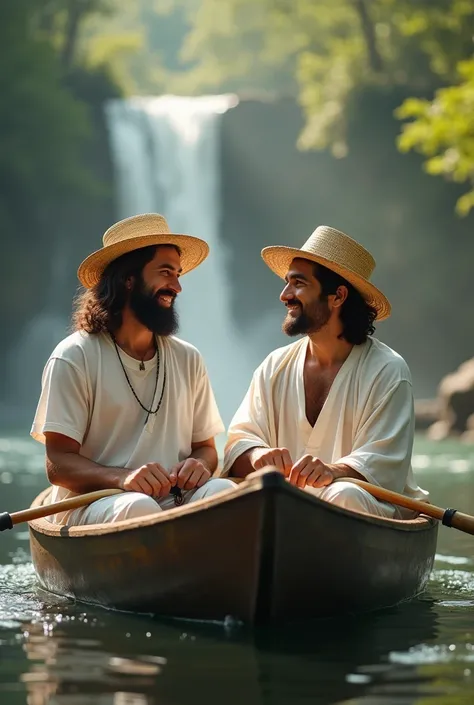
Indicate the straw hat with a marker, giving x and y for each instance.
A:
(133, 233)
(338, 252)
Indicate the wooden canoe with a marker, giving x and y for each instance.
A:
(263, 553)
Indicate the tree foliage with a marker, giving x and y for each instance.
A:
(443, 131)
(324, 51)
(41, 124)
(44, 125)
(47, 133)
(330, 47)
(321, 52)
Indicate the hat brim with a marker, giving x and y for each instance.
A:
(193, 252)
(279, 258)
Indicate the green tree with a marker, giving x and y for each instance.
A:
(135, 41)
(42, 125)
(48, 141)
(324, 50)
(443, 131)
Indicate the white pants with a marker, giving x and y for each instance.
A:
(351, 496)
(132, 505)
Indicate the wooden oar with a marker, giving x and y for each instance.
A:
(8, 521)
(449, 517)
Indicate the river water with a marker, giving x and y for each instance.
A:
(56, 652)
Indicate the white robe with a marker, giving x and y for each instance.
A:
(367, 421)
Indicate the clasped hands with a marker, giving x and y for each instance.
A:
(154, 480)
(308, 471)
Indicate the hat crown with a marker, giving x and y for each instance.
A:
(337, 247)
(136, 225)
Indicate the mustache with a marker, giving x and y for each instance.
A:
(166, 292)
(293, 302)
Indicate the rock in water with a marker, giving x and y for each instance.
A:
(456, 403)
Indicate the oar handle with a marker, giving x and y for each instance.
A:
(449, 517)
(463, 522)
(8, 521)
(396, 498)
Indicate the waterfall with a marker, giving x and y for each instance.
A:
(166, 154)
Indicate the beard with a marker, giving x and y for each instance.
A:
(151, 314)
(310, 319)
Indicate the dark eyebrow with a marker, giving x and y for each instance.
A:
(170, 266)
(296, 275)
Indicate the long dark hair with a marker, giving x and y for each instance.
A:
(357, 316)
(100, 308)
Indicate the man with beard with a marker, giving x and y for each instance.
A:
(337, 403)
(124, 403)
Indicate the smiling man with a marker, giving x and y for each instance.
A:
(337, 403)
(124, 403)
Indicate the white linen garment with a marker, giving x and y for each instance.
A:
(85, 396)
(367, 421)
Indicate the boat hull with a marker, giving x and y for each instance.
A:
(263, 553)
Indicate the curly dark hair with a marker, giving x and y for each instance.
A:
(357, 316)
(100, 308)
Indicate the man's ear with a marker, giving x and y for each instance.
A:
(129, 283)
(342, 292)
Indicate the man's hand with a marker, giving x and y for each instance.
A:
(310, 471)
(277, 457)
(189, 474)
(151, 479)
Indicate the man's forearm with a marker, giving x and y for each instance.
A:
(345, 471)
(243, 466)
(78, 474)
(207, 455)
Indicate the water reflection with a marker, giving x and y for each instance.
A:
(132, 660)
(65, 667)
(351, 653)
(123, 659)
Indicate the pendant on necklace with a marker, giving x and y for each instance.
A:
(141, 366)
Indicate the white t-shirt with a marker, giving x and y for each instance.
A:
(367, 420)
(85, 396)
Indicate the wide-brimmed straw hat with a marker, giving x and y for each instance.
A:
(338, 252)
(135, 232)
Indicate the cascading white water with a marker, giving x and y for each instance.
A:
(166, 158)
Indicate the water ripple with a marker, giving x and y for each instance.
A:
(18, 598)
(434, 653)
(460, 582)
(453, 560)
